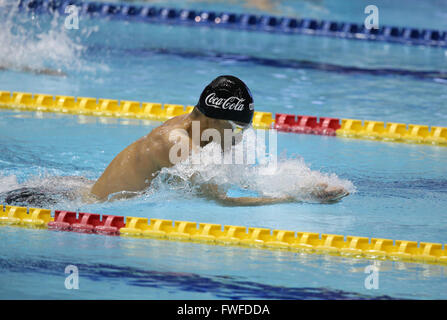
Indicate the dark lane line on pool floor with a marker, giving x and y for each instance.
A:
(222, 287)
(431, 75)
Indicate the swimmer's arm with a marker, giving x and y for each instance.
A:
(251, 201)
(212, 192)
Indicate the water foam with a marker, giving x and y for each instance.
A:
(39, 44)
(268, 177)
(45, 190)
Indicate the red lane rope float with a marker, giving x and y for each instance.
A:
(86, 222)
(306, 124)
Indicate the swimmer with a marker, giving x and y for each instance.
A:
(226, 103)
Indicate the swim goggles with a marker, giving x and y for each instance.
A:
(238, 128)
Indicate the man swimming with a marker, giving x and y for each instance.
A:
(225, 105)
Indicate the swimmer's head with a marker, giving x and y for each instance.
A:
(227, 98)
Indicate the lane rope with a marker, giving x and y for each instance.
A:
(210, 233)
(350, 128)
(250, 22)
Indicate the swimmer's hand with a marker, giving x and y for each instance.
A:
(328, 194)
(213, 192)
(252, 201)
(323, 193)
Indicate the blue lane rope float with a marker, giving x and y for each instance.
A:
(244, 21)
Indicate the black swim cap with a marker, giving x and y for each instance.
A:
(227, 98)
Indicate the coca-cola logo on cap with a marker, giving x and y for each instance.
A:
(231, 103)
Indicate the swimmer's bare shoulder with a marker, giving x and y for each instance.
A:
(125, 171)
(133, 169)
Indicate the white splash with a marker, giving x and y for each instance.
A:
(63, 190)
(286, 177)
(38, 43)
(8, 183)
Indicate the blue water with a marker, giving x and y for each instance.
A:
(391, 202)
(401, 189)
(172, 64)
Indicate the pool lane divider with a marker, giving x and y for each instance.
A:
(228, 235)
(243, 21)
(367, 129)
(350, 128)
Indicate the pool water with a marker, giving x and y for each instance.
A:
(401, 189)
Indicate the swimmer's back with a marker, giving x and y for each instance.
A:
(134, 168)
